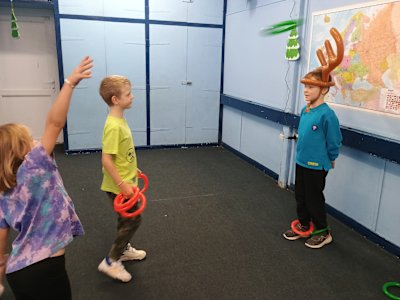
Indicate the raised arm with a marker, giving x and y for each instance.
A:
(58, 112)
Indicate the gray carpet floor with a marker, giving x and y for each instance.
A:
(213, 229)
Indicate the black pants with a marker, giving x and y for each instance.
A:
(310, 199)
(44, 280)
(126, 228)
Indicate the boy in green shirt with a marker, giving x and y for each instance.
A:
(119, 173)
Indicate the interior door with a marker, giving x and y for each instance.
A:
(29, 71)
(203, 92)
(168, 52)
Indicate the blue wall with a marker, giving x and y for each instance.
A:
(362, 188)
(170, 50)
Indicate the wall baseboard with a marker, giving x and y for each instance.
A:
(88, 151)
(252, 162)
(361, 229)
(372, 236)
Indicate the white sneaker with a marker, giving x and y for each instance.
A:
(132, 254)
(116, 270)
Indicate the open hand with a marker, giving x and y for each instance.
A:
(83, 70)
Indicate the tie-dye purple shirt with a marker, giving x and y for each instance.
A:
(39, 208)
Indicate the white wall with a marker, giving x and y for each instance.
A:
(254, 137)
(255, 65)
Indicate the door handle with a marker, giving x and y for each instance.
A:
(53, 84)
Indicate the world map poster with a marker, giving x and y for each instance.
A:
(369, 75)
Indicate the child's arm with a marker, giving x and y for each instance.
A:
(58, 112)
(108, 164)
(333, 137)
(3, 250)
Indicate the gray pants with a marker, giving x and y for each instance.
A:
(126, 228)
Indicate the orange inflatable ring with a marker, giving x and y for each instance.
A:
(302, 233)
(122, 205)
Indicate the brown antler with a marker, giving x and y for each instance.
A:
(333, 61)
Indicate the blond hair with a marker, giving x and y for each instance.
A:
(112, 86)
(15, 143)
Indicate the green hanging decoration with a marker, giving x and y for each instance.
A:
(14, 24)
(293, 46)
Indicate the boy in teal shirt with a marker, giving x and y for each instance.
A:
(119, 173)
(319, 140)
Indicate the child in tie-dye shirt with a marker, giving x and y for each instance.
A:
(33, 202)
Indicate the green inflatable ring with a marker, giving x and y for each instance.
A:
(387, 293)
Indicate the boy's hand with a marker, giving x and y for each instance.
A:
(333, 164)
(83, 70)
(126, 190)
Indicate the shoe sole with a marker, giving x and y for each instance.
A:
(326, 242)
(127, 258)
(116, 278)
(294, 238)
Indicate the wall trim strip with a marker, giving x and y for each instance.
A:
(377, 146)
(60, 63)
(146, 20)
(221, 88)
(147, 38)
(96, 150)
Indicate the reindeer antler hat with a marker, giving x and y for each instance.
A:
(333, 60)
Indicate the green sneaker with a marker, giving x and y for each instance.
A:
(319, 240)
(292, 236)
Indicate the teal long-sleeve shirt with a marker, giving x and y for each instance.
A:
(319, 138)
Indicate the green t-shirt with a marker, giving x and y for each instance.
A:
(117, 140)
